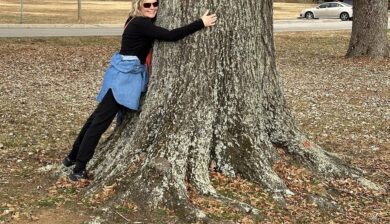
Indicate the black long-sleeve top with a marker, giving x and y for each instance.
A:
(140, 33)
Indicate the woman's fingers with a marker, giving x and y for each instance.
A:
(209, 20)
(212, 20)
(213, 17)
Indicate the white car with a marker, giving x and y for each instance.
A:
(339, 10)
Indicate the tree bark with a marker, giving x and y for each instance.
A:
(369, 29)
(214, 96)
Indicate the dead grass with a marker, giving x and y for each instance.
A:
(289, 10)
(64, 12)
(47, 92)
(96, 12)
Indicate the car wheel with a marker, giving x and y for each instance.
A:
(344, 16)
(309, 15)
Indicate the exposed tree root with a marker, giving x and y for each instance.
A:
(326, 164)
(326, 206)
(159, 178)
(249, 209)
(154, 186)
(283, 133)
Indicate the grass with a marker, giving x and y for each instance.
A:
(49, 202)
(339, 103)
(64, 12)
(65, 41)
(95, 11)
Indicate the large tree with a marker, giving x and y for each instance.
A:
(214, 97)
(369, 29)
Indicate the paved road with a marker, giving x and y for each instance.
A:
(50, 30)
(311, 25)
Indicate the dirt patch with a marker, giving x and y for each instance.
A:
(55, 215)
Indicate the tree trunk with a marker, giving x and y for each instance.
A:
(214, 97)
(369, 29)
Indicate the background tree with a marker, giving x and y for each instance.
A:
(214, 98)
(369, 29)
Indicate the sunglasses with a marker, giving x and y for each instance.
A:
(148, 5)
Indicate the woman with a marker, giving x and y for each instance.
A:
(126, 78)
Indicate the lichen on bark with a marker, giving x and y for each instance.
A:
(214, 97)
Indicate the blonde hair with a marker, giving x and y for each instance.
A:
(135, 8)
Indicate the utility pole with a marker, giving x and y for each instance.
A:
(21, 12)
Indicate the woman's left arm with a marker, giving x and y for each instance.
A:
(156, 32)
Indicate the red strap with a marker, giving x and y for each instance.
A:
(148, 63)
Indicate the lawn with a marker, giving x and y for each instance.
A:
(95, 12)
(48, 87)
(283, 11)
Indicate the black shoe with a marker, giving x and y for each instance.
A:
(76, 176)
(68, 162)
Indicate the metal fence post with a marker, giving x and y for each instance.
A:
(21, 12)
(79, 10)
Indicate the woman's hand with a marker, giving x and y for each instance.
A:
(209, 20)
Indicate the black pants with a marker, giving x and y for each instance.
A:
(97, 123)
